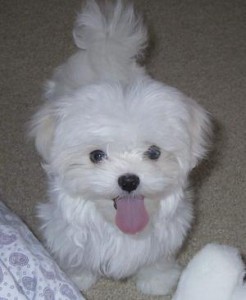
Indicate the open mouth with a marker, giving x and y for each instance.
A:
(131, 214)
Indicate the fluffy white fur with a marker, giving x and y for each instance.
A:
(215, 273)
(101, 98)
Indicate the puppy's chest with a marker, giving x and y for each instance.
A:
(119, 257)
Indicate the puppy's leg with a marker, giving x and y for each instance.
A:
(158, 279)
(84, 280)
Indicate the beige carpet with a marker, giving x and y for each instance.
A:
(198, 46)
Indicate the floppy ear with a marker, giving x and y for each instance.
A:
(200, 132)
(42, 128)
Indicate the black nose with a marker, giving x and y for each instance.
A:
(128, 182)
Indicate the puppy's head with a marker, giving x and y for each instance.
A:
(124, 148)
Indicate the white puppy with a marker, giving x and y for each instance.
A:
(117, 147)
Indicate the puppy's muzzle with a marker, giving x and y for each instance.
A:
(128, 182)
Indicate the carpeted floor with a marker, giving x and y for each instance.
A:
(197, 46)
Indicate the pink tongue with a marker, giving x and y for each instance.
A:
(131, 215)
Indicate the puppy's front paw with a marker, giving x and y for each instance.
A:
(84, 281)
(156, 280)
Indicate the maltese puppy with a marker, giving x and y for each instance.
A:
(117, 147)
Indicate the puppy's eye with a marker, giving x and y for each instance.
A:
(97, 156)
(153, 152)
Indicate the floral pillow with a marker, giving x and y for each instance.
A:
(26, 269)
